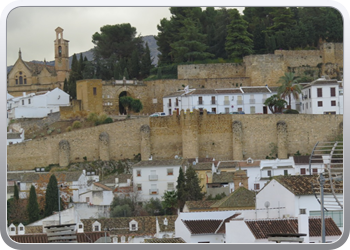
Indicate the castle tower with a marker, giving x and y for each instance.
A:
(61, 56)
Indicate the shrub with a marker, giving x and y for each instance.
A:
(58, 130)
(108, 120)
(76, 124)
(68, 129)
(291, 111)
(92, 117)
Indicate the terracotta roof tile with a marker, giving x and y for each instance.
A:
(87, 237)
(199, 204)
(102, 186)
(223, 177)
(261, 228)
(255, 90)
(159, 163)
(229, 91)
(165, 240)
(211, 226)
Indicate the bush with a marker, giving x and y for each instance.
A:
(291, 111)
(68, 129)
(108, 120)
(76, 124)
(92, 117)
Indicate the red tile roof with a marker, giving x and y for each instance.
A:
(165, 240)
(211, 226)
(87, 237)
(261, 228)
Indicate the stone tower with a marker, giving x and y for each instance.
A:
(61, 56)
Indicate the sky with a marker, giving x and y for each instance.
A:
(32, 29)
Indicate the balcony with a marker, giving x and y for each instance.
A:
(239, 102)
(153, 191)
(200, 102)
(226, 102)
(252, 101)
(153, 177)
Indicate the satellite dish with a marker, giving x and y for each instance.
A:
(267, 204)
(176, 157)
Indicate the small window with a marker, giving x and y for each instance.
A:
(256, 186)
(314, 171)
(13, 229)
(302, 171)
(200, 100)
(170, 186)
(138, 172)
(319, 92)
(170, 171)
(139, 187)
(16, 81)
(29, 101)
(122, 239)
(87, 199)
(252, 109)
(332, 92)
(95, 91)
(333, 103)
(22, 102)
(319, 104)
(269, 173)
(285, 172)
(97, 228)
(80, 226)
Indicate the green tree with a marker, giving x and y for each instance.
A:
(146, 62)
(130, 103)
(289, 87)
(33, 206)
(51, 196)
(15, 192)
(170, 201)
(239, 41)
(192, 187)
(153, 207)
(275, 103)
(191, 46)
(181, 191)
(136, 105)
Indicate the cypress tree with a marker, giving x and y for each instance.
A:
(51, 196)
(180, 187)
(126, 74)
(146, 63)
(16, 192)
(192, 186)
(33, 206)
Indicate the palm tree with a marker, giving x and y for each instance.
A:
(275, 104)
(289, 87)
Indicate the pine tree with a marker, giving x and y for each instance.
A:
(33, 206)
(146, 63)
(238, 41)
(193, 189)
(51, 196)
(180, 187)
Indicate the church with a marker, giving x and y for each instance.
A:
(31, 77)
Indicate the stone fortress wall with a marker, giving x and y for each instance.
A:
(224, 137)
(256, 70)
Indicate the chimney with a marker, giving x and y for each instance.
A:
(196, 159)
(24, 93)
(303, 224)
(116, 180)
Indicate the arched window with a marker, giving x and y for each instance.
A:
(20, 80)
(59, 51)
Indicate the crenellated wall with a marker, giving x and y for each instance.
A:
(188, 135)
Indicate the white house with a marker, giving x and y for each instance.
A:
(241, 230)
(154, 177)
(37, 105)
(322, 96)
(284, 196)
(15, 137)
(249, 100)
(97, 194)
(203, 227)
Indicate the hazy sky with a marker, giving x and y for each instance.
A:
(32, 29)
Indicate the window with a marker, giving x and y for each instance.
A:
(16, 81)
(200, 100)
(256, 186)
(285, 172)
(28, 101)
(269, 173)
(170, 171)
(177, 102)
(307, 105)
(133, 225)
(319, 104)
(252, 109)
(227, 110)
(302, 171)
(22, 102)
(213, 110)
(122, 239)
(139, 187)
(59, 51)
(21, 80)
(319, 92)
(333, 103)
(213, 100)
(332, 92)
(309, 93)
(239, 100)
(314, 171)
(138, 172)
(252, 99)
(87, 199)
(226, 100)
(25, 80)
(170, 186)
(95, 91)
(169, 103)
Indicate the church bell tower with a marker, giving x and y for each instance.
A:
(61, 56)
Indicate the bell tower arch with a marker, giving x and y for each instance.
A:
(61, 56)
